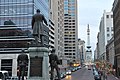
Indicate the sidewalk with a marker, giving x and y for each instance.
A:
(111, 77)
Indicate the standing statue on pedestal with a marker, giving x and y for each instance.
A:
(54, 61)
(37, 26)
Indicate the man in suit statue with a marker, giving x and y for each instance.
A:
(22, 62)
(37, 26)
(54, 61)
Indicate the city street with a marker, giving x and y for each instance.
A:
(81, 74)
(54, 39)
(85, 74)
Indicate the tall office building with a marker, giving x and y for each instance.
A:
(56, 15)
(105, 33)
(81, 50)
(70, 30)
(64, 16)
(52, 25)
(15, 29)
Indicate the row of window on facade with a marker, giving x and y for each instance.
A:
(73, 57)
(69, 44)
(69, 17)
(14, 1)
(66, 23)
(69, 20)
(69, 41)
(72, 31)
(108, 29)
(69, 29)
(69, 38)
(69, 53)
(109, 16)
(18, 20)
(108, 35)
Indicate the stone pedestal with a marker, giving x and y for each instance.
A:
(38, 63)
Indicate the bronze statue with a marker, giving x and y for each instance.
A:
(54, 61)
(22, 63)
(37, 26)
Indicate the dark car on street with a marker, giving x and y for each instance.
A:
(97, 76)
(63, 75)
(73, 70)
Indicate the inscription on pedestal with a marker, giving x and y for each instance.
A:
(36, 66)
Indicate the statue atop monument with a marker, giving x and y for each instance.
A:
(37, 26)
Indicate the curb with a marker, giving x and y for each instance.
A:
(115, 77)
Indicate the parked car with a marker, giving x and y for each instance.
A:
(94, 72)
(4, 75)
(79, 67)
(63, 75)
(69, 72)
(94, 68)
(14, 78)
(76, 68)
(89, 67)
(97, 76)
(86, 66)
(73, 70)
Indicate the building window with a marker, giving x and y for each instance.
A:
(58, 2)
(6, 64)
(111, 28)
(111, 16)
(107, 16)
(73, 53)
(58, 25)
(73, 57)
(107, 29)
(58, 42)
(58, 8)
(58, 31)
(58, 14)
(112, 34)
(58, 48)
(66, 53)
(108, 35)
(70, 53)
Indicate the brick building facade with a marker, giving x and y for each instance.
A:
(116, 23)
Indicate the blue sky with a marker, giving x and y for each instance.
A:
(90, 12)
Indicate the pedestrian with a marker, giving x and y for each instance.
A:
(37, 26)
(54, 61)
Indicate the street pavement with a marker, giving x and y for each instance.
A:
(81, 74)
(85, 74)
(111, 77)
